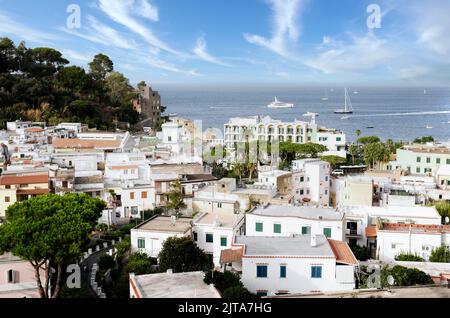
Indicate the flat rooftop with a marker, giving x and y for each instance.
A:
(304, 212)
(423, 212)
(225, 220)
(164, 224)
(178, 285)
(285, 246)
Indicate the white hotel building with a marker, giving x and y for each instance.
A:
(267, 129)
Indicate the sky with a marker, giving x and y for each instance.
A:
(245, 41)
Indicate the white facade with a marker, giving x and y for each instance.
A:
(311, 180)
(286, 221)
(215, 232)
(272, 266)
(391, 242)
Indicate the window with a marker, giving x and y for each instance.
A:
(327, 232)
(169, 138)
(326, 192)
(223, 241)
(144, 195)
(209, 238)
(418, 169)
(448, 161)
(306, 230)
(259, 227)
(277, 228)
(428, 159)
(134, 210)
(302, 192)
(11, 276)
(302, 179)
(195, 236)
(316, 271)
(141, 243)
(131, 195)
(260, 293)
(326, 178)
(283, 271)
(7, 199)
(261, 271)
(219, 205)
(438, 160)
(338, 139)
(418, 159)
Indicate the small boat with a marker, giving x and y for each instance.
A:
(173, 115)
(425, 92)
(344, 117)
(348, 109)
(325, 97)
(429, 127)
(370, 127)
(356, 92)
(278, 104)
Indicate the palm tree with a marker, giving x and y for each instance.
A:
(176, 198)
(239, 170)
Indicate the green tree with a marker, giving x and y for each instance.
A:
(120, 91)
(334, 161)
(361, 252)
(406, 257)
(100, 67)
(424, 140)
(376, 153)
(443, 208)
(176, 198)
(106, 262)
(50, 229)
(440, 255)
(404, 276)
(141, 85)
(368, 140)
(140, 264)
(183, 255)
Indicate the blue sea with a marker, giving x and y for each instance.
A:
(397, 113)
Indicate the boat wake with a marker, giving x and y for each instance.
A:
(403, 114)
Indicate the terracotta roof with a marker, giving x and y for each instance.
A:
(34, 130)
(33, 191)
(231, 255)
(416, 228)
(26, 179)
(85, 144)
(343, 252)
(371, 231)
(124, 167)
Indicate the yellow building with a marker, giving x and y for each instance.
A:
(18, 187)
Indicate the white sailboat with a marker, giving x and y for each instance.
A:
(278, 104)
(348, 109)
(325, 97)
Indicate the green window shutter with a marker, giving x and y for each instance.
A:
(141, 243)
(327, 232)
(209, 238)
(305, 230)
(277, 228)
(223, 241)
(259, 227)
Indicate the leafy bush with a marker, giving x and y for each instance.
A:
(440, 255)
(404, 276)
(183, 255)
(406, 257)
(238, 292)
(361, 252)
(106, 262)
(222, 281)
(126, 229)
(140, 264)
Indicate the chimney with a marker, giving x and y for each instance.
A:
(313, 240)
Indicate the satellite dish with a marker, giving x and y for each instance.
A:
(391, 280)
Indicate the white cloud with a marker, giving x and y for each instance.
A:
(100, 33)
(431, 22)
(122, 12)
(361, 54)
(201, 51)
(77, 56)
(163, 65)
(414, 72)
(285, 26)
(10, 26)
(148, 10)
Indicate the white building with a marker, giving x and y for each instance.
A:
(360, 218)
(417, 239)
(311, 181)
(150, 236)
(214, 232)
(301, 264)
(267, 129)
(285, 221)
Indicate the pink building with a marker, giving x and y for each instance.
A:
(17, 279)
